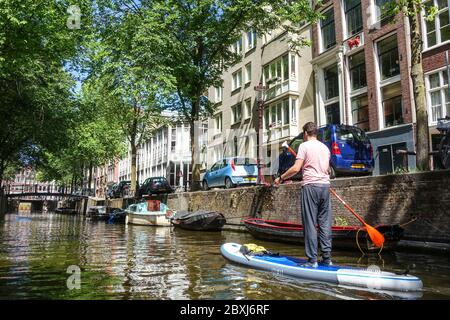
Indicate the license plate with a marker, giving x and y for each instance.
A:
(250, 179)
(358, 166)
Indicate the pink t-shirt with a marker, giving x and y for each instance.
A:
(316, 156)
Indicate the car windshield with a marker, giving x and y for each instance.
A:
(244, 161)
(158, 180)
(351, 134)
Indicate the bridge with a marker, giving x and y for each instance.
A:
(39, 192)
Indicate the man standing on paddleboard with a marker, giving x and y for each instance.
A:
(314, 158)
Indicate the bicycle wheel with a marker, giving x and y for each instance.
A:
(444, 151)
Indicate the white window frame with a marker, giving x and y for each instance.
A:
(234, 113)
(218, 94)
(319, 29)
(251, 43)
(236, 80)
(437, 28)
(218, 123)
(237, 46)
(442, 88)
(276, 76)
(248, 72)
(248, 108)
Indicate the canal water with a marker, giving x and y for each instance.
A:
(136, 262)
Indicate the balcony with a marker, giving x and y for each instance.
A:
(278, 87)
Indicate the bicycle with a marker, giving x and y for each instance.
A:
(443, 127)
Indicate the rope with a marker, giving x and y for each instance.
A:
(406, 223)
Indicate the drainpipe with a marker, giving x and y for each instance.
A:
(340, 63)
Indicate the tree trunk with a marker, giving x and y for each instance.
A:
(195, 180)
(422, 130)
(133, 168)
(90, 178)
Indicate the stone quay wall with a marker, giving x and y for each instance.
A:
(423, 198)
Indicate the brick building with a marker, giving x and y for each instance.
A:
(361, 63)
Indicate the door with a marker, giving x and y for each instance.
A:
(385, 156)
(212, 175)
(400, 160)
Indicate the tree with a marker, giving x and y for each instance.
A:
(35, 87)
(131, 93)
(195, 40)
(412, 9)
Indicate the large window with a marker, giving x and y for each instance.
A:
(327, 30)
(277, 69)
(331, 82)
(438, 30)
(392, 105)
(277, 114)
(388, 57)
(357, 65)
(237, 80)
(439, 104)
(360, 112)
(353, 16)
(248, 108)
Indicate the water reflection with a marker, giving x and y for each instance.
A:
(138, 262)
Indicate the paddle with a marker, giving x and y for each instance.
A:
(375, 235)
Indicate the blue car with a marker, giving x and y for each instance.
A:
(350, 148)
(231, 172)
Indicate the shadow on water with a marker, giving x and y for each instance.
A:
(137, 262)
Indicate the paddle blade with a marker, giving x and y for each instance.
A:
(375, 235)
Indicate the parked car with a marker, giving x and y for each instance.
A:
(123, 189)
(230, 172)
(351, 150)
(110, 190)
(155, 185)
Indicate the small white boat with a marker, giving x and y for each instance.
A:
(138, 214)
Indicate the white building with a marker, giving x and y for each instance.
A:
(166, 154)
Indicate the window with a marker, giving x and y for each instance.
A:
(248, 72)
(218, 93)
(392, 105)
(236, 110)
(388, 57)
(277, 70)
(237, 46)
(360, 112)
(218, 123)
(237, 80)
(278, 113)
(353, 16)
(437, 30)
(294, 110)
(248, 108)
(251, 40)
(331, 82)
(357, 67)
(439, 104)
(333, 113)
(327, 29)
(173, 139)
(380, 14)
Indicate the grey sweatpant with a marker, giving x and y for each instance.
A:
(316, 211)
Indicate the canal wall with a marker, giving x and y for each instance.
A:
(423, 199)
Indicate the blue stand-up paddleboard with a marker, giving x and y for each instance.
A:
(348, 276)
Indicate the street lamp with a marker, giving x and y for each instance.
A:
(260, 91)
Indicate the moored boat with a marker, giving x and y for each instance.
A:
(64, 210)
(345, 237)
(199, 220)
(98, 213)
(117, 216)
(139, 214)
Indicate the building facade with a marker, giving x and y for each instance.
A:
(436, 58)
(288, 98)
